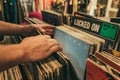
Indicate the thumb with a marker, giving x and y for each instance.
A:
(38, 27)
(41, 29)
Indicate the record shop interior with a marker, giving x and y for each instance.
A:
(87, 30)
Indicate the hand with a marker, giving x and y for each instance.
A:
(38, 47)
(31, 30)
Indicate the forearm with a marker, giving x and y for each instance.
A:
(10, 55)
(9, 28)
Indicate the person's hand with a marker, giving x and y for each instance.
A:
(38, 47)
(31, 30)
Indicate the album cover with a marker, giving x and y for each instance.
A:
(52, 17)
(75, 47)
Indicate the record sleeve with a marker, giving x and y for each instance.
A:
(75, 47)
(52, 17)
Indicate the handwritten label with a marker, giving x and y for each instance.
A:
(108, 30)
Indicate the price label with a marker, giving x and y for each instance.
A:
(108, 30)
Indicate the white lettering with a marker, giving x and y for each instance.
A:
(81, 23)
(95, 27)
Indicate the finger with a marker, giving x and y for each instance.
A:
(53, 42)
(26, 38)
(48, 33)
(37, 26)
(46, 26)
(41, 29)
(48, 37)
(55, 48)
(49, 30)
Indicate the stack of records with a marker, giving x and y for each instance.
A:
(11, 74)
(110, 59)
(55, 67)
(102, 66)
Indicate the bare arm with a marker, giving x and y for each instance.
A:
(28, 30)
(9, 28)
(10, 55)
(29, 50)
